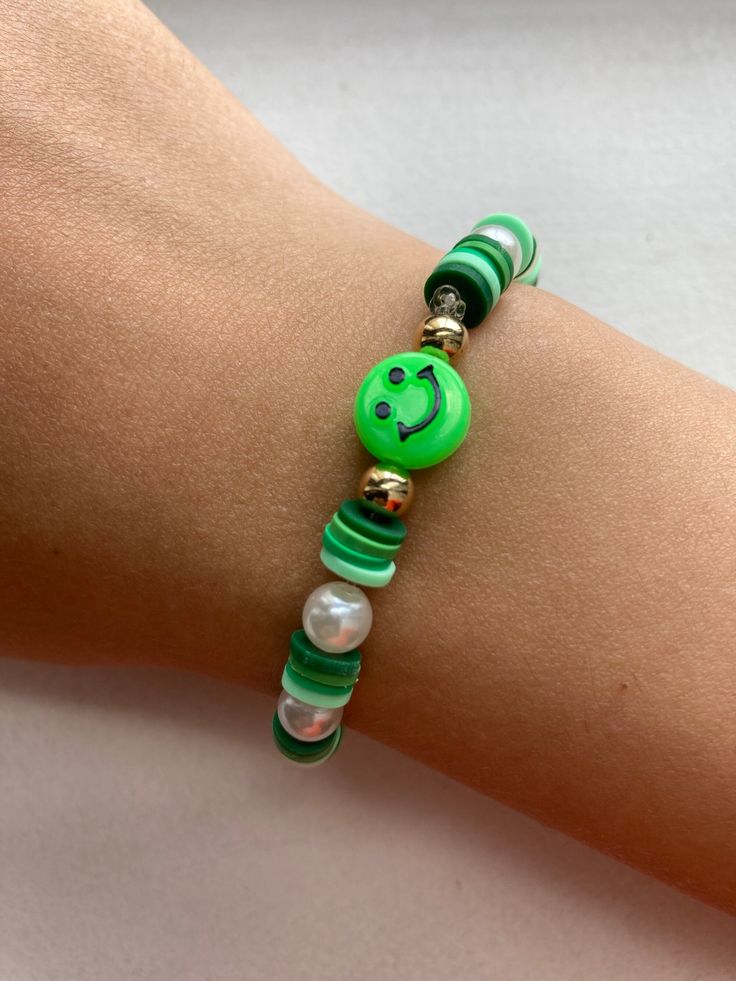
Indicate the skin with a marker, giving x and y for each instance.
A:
(185, 316)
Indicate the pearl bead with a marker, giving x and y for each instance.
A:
(337, 617)
(506, 239)
(307, 722)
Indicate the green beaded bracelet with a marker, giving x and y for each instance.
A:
(411, 411)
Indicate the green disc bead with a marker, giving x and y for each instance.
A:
(531, 276)
(494, 253)
(312, 692)
(520, 229)
(469, 284)
(351, 555)
(361, 543)
(482, 265)
(374, 578)
(435, 352)
(306, 655)
(324, 679)
(315, 760)
(381, 527)
(412, 409)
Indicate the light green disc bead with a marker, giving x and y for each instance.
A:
(374, 578)
(318, 698)
(481, 265)
(531, 276)
(354, 539)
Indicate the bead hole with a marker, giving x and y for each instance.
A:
(380, 519)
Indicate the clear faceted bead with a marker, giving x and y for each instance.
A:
(446, 301)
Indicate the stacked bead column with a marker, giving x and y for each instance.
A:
(411, 411)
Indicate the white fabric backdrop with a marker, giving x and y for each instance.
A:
(147, 829)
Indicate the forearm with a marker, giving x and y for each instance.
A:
(185, 318)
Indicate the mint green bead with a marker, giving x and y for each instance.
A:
(312, 692)
(498, 257)
(531, 276)
(374, 578)
(482, 265)
(412, 409)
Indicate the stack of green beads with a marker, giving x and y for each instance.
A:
(482, 264)
(411, 412)
(359, 544)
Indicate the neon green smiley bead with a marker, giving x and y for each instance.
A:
(412, 409)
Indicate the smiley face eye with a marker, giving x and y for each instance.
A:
(383, 410)
(396, 376)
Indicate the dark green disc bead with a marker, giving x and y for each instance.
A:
(471, 286)
(353, 539)
(380, 526)
(304, 653)
(335, 547)
(315, 758)
(494, 253)
(325, 679)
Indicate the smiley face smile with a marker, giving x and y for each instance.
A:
(396, 376)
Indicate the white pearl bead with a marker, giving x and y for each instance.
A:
(307, 722)
(337, 617)
(505, 238)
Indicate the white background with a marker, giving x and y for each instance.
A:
(147, 828)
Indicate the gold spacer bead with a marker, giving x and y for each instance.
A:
(444, 333)
(386, 487)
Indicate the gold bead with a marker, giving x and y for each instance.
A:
(387, 487)
(443, 332)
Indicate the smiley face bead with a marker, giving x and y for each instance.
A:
(412, 409)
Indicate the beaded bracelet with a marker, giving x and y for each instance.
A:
(411, 411)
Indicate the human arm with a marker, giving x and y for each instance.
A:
(185, 315)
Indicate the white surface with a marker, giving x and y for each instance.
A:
(147, 829)
(150, 831)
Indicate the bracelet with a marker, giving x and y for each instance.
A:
(411, 411)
